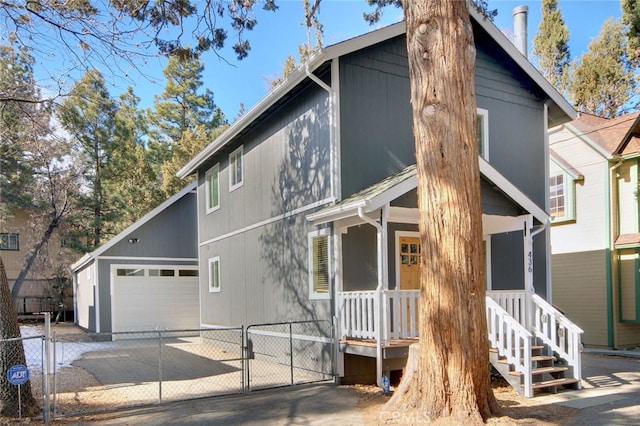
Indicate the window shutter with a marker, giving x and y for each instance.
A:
(321, 264)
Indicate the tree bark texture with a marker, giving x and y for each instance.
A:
(452, 377)
(12, 353)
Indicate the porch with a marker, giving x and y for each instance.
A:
(528, 337)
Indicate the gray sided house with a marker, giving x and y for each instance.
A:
(307, 205)
(146, 277)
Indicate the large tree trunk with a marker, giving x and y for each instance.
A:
(12, 353)
(452, 376)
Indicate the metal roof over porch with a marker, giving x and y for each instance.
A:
(382, 193)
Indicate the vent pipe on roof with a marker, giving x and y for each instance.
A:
(520, 28)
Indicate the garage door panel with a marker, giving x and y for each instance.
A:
(150, 303)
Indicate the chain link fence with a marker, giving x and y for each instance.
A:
(94, 372)
(22, 390)
(291, 353)
(100, 371)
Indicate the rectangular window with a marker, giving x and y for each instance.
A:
(9, 241)
(121, 272)
(214, 275)
(212, 188)
(482, 133)
(188, 273)
(319, 269)
(162, 273)
(235, 169)
(557, 197)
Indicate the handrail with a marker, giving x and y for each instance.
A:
(511, 339)
(561, 334)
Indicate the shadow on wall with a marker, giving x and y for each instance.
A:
(303, 178)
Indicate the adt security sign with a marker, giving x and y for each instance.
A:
(18, 374)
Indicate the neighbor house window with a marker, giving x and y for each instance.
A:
(9, 241)
(235, 169)
(214, 275)
(482, 132)
(212, 188)
(319, 264)
(558, 198)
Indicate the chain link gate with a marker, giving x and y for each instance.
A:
(94, 372)
(289, 353)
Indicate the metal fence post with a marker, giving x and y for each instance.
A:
(159, 366)
(291, 351)
(47, 365)
(55, 388)
(243, 360)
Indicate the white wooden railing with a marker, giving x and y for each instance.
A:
(511, 339)
(512, 301)
(359, 316)
(402, 322)
(510, 314)
(556, 330)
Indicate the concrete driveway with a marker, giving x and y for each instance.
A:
(611, 390)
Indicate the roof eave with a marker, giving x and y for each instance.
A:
(552, 94)
(137, 224)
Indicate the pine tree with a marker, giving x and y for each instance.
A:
(183, 117)
(20, 118)
(631, 19)
(131, 180)
(603, 80)
(550, 45)
(88, 115)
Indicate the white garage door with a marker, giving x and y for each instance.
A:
(154, 297)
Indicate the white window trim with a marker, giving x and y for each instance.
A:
(209, 263)
(400, 234)
(486, 240)
(485, 131)
(240, 152)
(569, 187)
(313, 295)
(212, 170)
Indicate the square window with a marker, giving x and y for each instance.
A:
(9, 241)
(319, 265)
(212, 188)
(214, 275)
(235, 169)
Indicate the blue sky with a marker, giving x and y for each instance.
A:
(279, 34)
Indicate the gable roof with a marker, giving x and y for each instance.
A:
(564, 164)
(560, 110)
(394, 186)
(133, 227)
(615, 136)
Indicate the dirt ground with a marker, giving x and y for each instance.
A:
(516, 409)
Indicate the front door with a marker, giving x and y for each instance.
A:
(409, 261)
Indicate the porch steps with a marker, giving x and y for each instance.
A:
(547, 373)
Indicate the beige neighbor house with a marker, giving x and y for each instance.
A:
(18, 235)
(595, 234)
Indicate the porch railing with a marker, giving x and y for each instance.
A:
(557, 331)
(358, 316)
(520, 316)
(511, 340)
